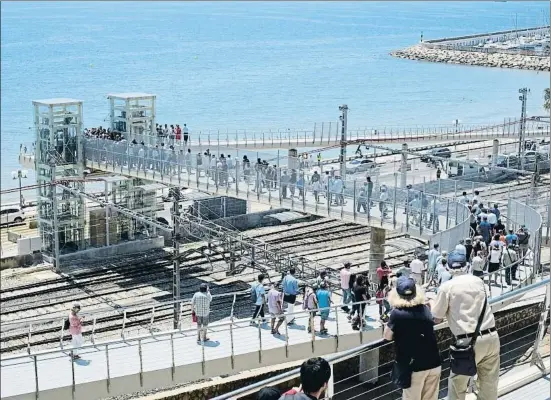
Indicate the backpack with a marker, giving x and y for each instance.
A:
(66, 324)
(254, 295)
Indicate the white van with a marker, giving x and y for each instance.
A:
(11, 214)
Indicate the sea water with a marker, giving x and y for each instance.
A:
(255, 65)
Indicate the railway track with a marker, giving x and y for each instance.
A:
(95, 287)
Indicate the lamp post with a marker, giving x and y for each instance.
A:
(456, 123)
(19, 174)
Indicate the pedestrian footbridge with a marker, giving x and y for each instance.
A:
(331, 135)
(163, 359)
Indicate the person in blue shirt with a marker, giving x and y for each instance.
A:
(511, 237)
(290, 291)
(485, 229)
(496, 211)
(260, 299)
(300, 186)
(324, 300)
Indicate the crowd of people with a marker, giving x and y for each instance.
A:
(172, 135)
(417, 365)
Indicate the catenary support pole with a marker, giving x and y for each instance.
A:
(344, 120)
(176, 284)
(404, 166)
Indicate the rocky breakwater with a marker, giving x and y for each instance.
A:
(423, 52)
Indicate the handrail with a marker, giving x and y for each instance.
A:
(120, 309)
(172, 331)
(360, 349)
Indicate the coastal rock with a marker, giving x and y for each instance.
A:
(423, 52)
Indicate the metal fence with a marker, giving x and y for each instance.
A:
(513, 345)
(286, 186)
(523, 214)
(330, 134)
(237, 330)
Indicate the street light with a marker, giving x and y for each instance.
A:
(19, 174)
(456, 123)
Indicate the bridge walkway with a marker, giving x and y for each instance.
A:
(163, 359)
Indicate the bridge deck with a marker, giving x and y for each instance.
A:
(167, 358)
(251, 348)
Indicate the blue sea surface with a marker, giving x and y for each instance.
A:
(255, 65)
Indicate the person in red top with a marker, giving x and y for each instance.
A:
(383, 271)
(178, 133)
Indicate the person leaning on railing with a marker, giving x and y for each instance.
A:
(463, 302)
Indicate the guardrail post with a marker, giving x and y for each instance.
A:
(286, 338)
(152, 320)
(108, 369)
(173, 366)
(259, 341)
(331, 384)
(73, 373)
(448, 214)
(61, 332)
(123, 324)
(337, 324)
(37, 390)
(232, 356)
(141, 361)
(29, 338)
(93, 335)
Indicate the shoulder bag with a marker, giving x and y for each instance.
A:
(462, 358)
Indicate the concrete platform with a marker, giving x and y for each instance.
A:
(164, 360)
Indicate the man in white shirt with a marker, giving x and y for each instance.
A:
(492, 219)
(417, 267)
(477, 265)
(483, 214)
(434, 211)
(345, 286)
(475, 196)
(383, 199)
(461, 301)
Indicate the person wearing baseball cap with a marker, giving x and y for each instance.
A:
(417, 366)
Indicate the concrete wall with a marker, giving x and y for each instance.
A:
(21, 261)
(134, 246)
(249, 221)
(219, 207)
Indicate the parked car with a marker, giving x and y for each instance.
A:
(360, 165)
(442, 152)
(12, 214)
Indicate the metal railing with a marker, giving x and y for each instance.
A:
(246, 181)
(329, 133)
(382, 389)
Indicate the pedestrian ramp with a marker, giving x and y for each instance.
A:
(168, 358)
(136, 364)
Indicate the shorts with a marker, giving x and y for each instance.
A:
(276, 315)
(324, 314)
(204, 321)
(493, 267)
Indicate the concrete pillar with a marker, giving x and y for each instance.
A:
(495, 151)
(376, 251)
(369, 366)
(292, 159)
(404, 166)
